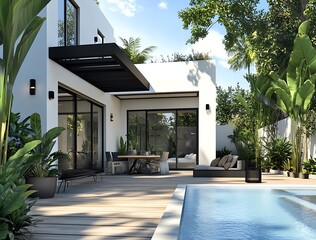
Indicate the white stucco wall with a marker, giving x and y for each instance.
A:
(49, 74)
(182, 77)
(222, 140)
(164, 77)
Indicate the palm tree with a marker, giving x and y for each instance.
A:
(131, 48)
(242, 55)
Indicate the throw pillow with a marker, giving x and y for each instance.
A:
(234, 160)
(214, 162)
(226, 166)
(222, 161)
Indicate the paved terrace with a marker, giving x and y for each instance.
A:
(121, 206)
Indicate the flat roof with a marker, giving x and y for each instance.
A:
(105, 66)
(154, 95)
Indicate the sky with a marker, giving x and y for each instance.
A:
(156, 23)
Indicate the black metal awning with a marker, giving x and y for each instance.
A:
(105, 66)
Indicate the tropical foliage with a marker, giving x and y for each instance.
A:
(179, 57)
(19, 25)
(14, 206)
(266, 34)
(45, 160)
(296, 91)
(229, 110)
(278, 151)
(132, 49)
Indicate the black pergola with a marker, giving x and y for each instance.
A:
(105, 66)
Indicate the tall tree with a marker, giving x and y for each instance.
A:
(131, 48)
(228, 106)
(242, 55)
(270, 31)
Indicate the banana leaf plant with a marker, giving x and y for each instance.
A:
(14, 206)
(294, 94)
(44, 159)
(19, 26)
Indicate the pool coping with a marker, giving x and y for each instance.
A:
(169, 224)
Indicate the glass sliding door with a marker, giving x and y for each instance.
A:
(187, 144)
(161, 132)
(84, 128)
(97, 140)
(136, 136)
(66, 119)
(83, 137)
(174, 131)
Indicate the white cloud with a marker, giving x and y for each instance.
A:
(224, 64)
(213, 44)
(163, 5)
(127, 7)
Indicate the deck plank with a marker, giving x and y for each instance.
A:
(119, 207)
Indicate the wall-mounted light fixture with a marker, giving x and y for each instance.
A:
(32, 86)
(111, 117)
(51, 95)
(207, 107)
(95, 39)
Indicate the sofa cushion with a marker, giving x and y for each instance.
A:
(228, 163)
(234, 160)
(226, 166)
(214, 162)
(223, 161)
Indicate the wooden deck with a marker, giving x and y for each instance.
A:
(119, 207)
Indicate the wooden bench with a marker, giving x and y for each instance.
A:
(73, 174)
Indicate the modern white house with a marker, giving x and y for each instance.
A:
(84, 82)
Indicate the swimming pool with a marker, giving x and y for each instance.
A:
(235, 212)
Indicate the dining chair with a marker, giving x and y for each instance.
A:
(109, 163)
(119, 165)
(163, 163)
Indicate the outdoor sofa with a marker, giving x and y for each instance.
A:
(227, 166)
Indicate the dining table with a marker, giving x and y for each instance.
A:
(136, 157)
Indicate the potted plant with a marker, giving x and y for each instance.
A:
(287, 166)
(278, 151)
(306, 168)
(266, 165)
(43, 172)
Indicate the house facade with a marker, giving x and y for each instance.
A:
(84, 82)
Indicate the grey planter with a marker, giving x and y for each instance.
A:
(303, 175)
(45, 186)
(253, 175)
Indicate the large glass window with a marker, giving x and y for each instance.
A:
(137, 131)
(174, 131)
(68, 23)
(83, 137)
(186, 138)
(161, 131)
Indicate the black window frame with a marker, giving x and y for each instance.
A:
(77, 8)
(171, 109)
(77, 95)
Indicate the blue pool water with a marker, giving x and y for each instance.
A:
(239, 213)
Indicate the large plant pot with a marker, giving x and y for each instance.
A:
(45, 186)
(275, 171)
(294, 175)
(253, 175)
(304, 175)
